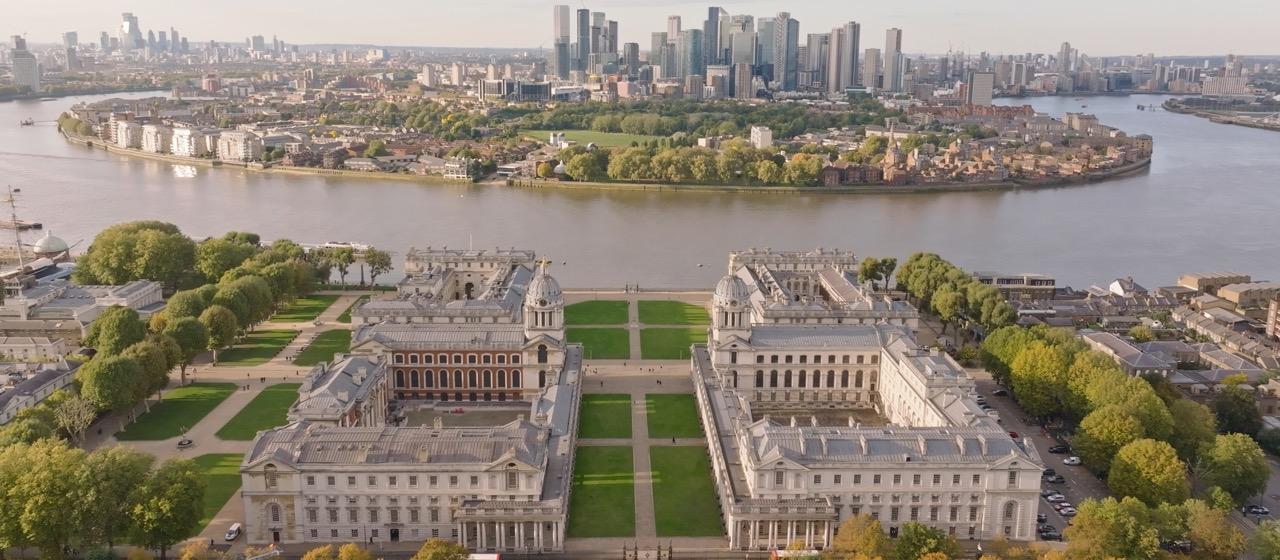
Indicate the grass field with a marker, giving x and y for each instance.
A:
(304, 309)
(669, 344)
(222, 476)
(684, 501)
(345, 317)
(602, 312)
(324, 347)
(672, 313)
(603, 139)
(256, 348)
(267, 410)
(672, 416)
(603, 502)
(605, 416)
(181, 409)
(602, 344)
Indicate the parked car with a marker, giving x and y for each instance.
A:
(1180, 545)
(1055, 498)
(1059, 449)
(1042, 518)
(1046, 493)
(1055, 479)
(1051, 535)
(1013, 435)
(1048, 473)
(1042, 527)
(1067, 512)
(1254, 509)
(1000, 393)
(233, 532)
(1072, 461)
(1063, 505)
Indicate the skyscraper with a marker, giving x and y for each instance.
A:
(764, 47)
(814, 67)
(658, 54)
(597, 32)
(742, 81)
(673, 27)
(893, 59)
(743, 49)
(871, 68)
(689, 53)
(786, 38)
(842, 58)
(130, 34)
(584, 40)
(611, 32)
(26, 69)
(711, 36)
(631, 57)
(70, 40)
(1064, 58)
(560, 42)
(979, 87)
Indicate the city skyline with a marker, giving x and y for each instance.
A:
(998, 27)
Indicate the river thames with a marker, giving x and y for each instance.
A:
(1210, 201)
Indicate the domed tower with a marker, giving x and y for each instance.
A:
(49, 246)
(729, 309)
(544, 305)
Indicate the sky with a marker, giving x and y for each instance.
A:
(1096, 27)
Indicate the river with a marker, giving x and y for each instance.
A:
(1210, 201)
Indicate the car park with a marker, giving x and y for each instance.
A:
(1072, 461)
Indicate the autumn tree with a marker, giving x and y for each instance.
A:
(1150, 471)
(1103, 432)
(1196, 427)
(1110, 528)
(441, 549)
(1235, 463)
(1213, 536)
(860, 534)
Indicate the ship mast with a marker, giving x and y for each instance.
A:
(17, 232)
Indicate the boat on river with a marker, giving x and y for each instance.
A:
(27, 122)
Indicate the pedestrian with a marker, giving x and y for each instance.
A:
(673, 440)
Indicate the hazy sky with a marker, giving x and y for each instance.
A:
(1096, 27)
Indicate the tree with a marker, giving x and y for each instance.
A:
(768, 172)
(214, 257)
(1000, 347)
(1236, 411)
(1087, 370)
(377, 148)
(186, 303)
(545, 169)
(379, 262)
(1212, 535)
(25, 430)
(1235, 463)
(1266, 542)
(352, 551)
(1150, 471)
(166, 505)
(234, 299)
(74, 415)
(948, 304)
(342, 259)
(441, 549)
(220, 323)
(860, 534)
(1103, 432)
(586, 167)
(111, 382)
(258, 295)
(192, 339)
(1142, 333)
(155, 364)
(1137, 397)
(107, 482)
(885, 267)
(1038, 376)
(916, 540)
(326, 552)
(1112, 528)
(1196, 427)
(869, 271)
(145, 250)
(114, 330)
(45, 492)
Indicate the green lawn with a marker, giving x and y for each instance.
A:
(601, 312)
(267, 410)
(584, 137)
(222, 476)
(304, 309)
(345, 317)
(672, 416)
(603, 501)
(256, 348)
(669, 344)
(602, 344)
(605, 416)
(684, 500)
(672, 313)
(181, 409)
(324, 347)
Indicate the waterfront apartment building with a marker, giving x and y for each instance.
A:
(1209, 282)
(239, 145)
(812, 417)
(156, 138)
(1020, 287)
(1273, 318)
(191, 142)
(128, 134)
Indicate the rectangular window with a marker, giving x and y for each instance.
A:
(817, 479)
(413, 515)
(937, 479)
(857, 479)
(373, 515)
(973, 513)
(413, 481)
(333, 515)
(875, 479)
(432, 481)
(915, 480)
(915, 513)
(313, 516)
(353, 515)
(897, 479)
(837, 480)
(311, 480)
(977, 480)
(351, 481)
(955, 480)
(893, 513)
(333, 533)
(330, 481)
(315, 534)
(453, 481)
(1013, 478)
(435, 515)
(391, 481)
(394, 515)
(475, 481)
(777, 479)
(373, 482)
(955, 514)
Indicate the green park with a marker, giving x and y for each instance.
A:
(602, 502)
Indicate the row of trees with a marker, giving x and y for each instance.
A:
(53, 496)
(735, 163)
(952, 294)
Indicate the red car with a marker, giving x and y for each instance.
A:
(1013, 435)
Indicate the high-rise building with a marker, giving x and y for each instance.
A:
(742, 81)
(786, 39)
(611, 42)
(597, 32)
(175, 44)
(1019, 77)
(842, 58)
(631, 57)
(893, 60)
(979, 88)
(814, 66)
(70, 40)
(26, 69)
(673, 27)
(711, 36)
(743, 49)
(1064, 58)
(583, 46)
(104, 41)
(871, 68)
(560, 57)
(689, 53)
(130, 33)
(658, 53)
(764, 47)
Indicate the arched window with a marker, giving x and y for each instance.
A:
(488, 378)
(773, 378)
(399, 378)
(831, 379)
(457, 379)
(844, 378)
(801, 379)
(502, 378)
(274, 512)
(542, 353)
(786, 378)
(413, 378)
(471, 379)
(515, 378)
(542, 378)
(857, 380)
(817, 376)
(1010, 510)
(428, 378)
(269, 473)
(759, 378)
(444, 378)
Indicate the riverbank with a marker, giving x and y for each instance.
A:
(77, 93)
(535, 184)
(1174, 106)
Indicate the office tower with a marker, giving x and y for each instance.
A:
(1019, 77)
(658, 53)
(597, 32)
(1064, 58)
(673, 27)
(742, 82)
(151, 40)
(689, 53)
(130, 34)
(257, 43)
(786, 38)
(631, 57)
(719, 78)
(979, 88)
(104, 41)
(742, 24)
(70, 40)
(175, 43)
(814, 66)
(560, 62)
(611, 28)
(842, 61)
(583, 46)
(893, 60)
(743, 50)
(26, 69)
(871, 68)
(711, 36)
(162, 41)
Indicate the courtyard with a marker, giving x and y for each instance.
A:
(602, 503)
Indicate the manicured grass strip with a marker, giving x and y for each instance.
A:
(222, 477)
(672, 416)
(605, 416)
(303, 309)
(602, 312)
(181, 409)
(602, 344)
(257, 348)
(267, 410)
(324, 347)
(584, 137)
(345, 317)
(603, 500)
(672, 313)
(684, 501)
(669, 344)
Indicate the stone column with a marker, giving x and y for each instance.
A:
(773, 535)
(484, 535)
(755, 531)
(791, 532)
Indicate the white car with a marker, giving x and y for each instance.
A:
(233, 532)
(1067, 512)
(1054, 498)
(1071, 461)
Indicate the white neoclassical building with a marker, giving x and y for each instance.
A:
(795, 339)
